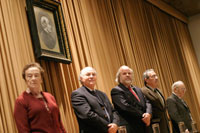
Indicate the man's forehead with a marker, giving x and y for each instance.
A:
(181, 85)
(151, 72)
(125, 68)
(88, 70)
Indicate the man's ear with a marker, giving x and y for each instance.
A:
(175, 90)
(81, 78)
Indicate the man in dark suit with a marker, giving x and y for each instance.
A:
(128, 100)
(153, 94)
(178, 109)
(92, 107)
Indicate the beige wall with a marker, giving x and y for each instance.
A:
(194, 28)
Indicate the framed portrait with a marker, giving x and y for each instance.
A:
(48, 31)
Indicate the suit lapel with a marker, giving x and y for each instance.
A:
(155, 97)
(93, 95)
(150, 92)
(140, 95)
(128, 93)
(100, 99)
(133, 98)
(162, 97)
(180, 102)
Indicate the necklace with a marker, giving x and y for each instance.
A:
(45, 103)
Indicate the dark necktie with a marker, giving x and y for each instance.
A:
(160, 97)
(103, 107)
(184, 103)
(133, 92)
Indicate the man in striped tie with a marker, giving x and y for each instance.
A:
(134, 110)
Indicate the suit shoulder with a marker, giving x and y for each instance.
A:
(171, 97)
(138, 88)
(171, 100)
(77, 91)
(101, 92)
(117, 88)
(144, 90)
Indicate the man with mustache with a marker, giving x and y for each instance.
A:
(128, 100)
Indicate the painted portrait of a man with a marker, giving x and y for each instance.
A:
(46, 30)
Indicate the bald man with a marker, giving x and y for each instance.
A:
(177, 108)
(92, 107)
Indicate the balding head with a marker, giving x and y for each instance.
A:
(124, 75)
(178, 88)
(87, 77)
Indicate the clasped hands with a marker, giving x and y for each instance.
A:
(112, 128)
(146, 118)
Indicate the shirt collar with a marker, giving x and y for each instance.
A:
(176, 95)
(28, 90)
(90, 89)
(153, 89)
(131, 86)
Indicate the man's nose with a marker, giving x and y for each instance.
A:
(33, 77)
(91, 75)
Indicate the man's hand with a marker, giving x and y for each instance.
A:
(146, 118)
(187, 131)
(112, 128)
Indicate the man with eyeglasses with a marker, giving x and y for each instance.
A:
(153, 94)
(178, 109)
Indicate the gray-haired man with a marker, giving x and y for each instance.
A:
(128, 100)
(92, 107)
(153, 94)
(177, 108)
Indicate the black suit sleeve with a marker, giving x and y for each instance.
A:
(123, 103)
(84, 111)
(115, 117)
